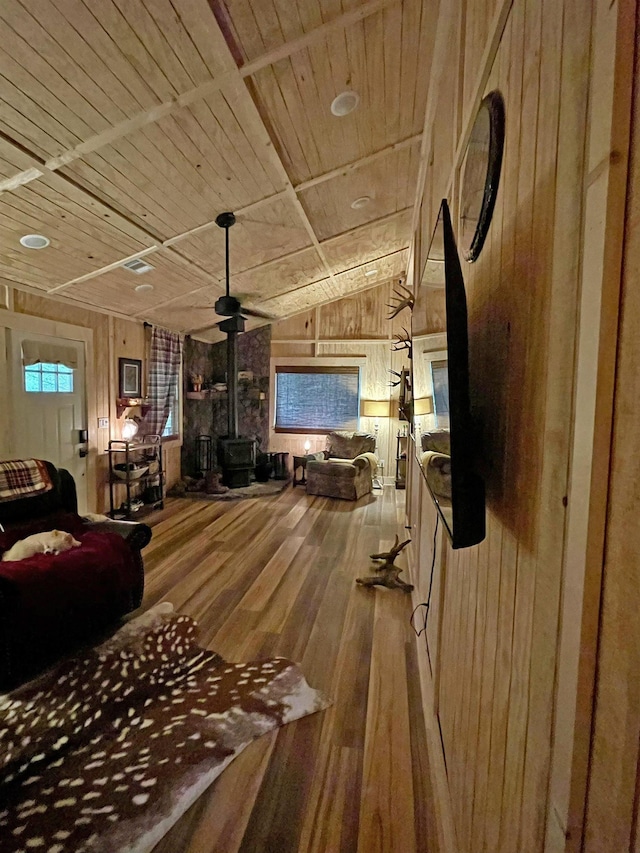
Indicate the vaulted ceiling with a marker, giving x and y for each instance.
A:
(127, 126)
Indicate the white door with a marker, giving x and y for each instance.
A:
(49, 408)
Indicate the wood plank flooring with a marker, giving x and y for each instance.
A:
(275, 576)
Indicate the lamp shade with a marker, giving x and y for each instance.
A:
(423, 406)
(375, 408)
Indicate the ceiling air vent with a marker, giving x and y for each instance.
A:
(138, 266)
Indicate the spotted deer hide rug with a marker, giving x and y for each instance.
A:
(106, 751)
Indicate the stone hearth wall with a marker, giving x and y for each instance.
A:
(209, 416)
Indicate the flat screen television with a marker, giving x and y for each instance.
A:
(445, 438)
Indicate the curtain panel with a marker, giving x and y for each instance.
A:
(164, 375)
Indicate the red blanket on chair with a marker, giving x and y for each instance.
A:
(51, 602)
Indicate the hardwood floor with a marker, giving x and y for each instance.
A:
(275, 577)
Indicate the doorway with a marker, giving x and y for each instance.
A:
(47, 402)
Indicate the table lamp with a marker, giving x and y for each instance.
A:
(422, 406)
(375, 409)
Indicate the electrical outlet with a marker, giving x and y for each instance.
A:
(103, 423)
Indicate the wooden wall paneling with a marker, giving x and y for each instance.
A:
(471, 693)
(487, 664)
(500, 705)
(299, 327)
(612, 805)
(479, 276)
(502, 313)
(528, 324)
(553, 439)
(450, 696)
(363, 315)
(295, 350)
(589, 461)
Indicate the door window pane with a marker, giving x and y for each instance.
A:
(48, 378)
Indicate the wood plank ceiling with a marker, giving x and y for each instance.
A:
(128, 125)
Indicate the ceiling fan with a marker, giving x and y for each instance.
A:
(227, 305)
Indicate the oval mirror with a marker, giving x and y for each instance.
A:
(481, 175)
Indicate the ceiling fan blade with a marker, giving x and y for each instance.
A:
(254, 312)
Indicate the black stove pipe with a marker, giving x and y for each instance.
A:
(232, 384)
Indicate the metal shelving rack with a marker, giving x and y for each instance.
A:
(149, 450)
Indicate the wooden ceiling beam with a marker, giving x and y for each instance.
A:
(314, 36)
(342, 171)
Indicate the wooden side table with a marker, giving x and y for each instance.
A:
(300, 462)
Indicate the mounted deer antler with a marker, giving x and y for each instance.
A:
(388, 572)
(399, 375)
(404, 299)
(403, 342)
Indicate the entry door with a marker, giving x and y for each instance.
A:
(49, 409)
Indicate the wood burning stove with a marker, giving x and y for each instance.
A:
(237, 458)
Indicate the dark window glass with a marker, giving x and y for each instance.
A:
(312, 400)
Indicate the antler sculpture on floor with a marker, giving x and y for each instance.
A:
(388, 573)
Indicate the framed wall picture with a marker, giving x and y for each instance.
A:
(130, 373)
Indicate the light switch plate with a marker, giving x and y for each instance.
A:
(103, 423)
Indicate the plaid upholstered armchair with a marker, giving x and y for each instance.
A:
(345, 469)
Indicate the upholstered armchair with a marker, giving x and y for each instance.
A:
(345, 469)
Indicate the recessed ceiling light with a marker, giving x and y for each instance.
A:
(371, 272)
(138, 266)
(141, 288)
(35, 241)
(345, 103)
(363, 201)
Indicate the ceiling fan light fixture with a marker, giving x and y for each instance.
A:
(362, 201)
(35, 241)
(345, 103)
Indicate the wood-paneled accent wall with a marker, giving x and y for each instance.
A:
(614, 781)
(113, 338)
(354, 326)
(495, 626)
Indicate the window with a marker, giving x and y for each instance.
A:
(171, 429)
(46, 378)
(317, 399)
(440, 379)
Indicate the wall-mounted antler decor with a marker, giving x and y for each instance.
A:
(404, 396)
(403, 341)
(404, 299)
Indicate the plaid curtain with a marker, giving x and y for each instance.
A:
(164, 375)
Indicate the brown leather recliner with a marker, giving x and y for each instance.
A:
(345, 469)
